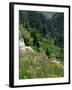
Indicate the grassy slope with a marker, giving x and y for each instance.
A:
(32, 65)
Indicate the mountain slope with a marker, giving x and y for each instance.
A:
(45, 36)
(33, 65)
(52, 28)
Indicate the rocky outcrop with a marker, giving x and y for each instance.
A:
(22, 48)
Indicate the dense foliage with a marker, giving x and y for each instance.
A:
(43, 34)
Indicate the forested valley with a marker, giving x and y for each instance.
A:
(45, 35)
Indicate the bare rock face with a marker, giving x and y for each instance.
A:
(22, 51)
(21, 45)
(22, 48)
(21, 40)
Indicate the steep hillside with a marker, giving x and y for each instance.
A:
(33, 65)
(51, 29)
(43, 53)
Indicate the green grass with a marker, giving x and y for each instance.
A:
(32, 65)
